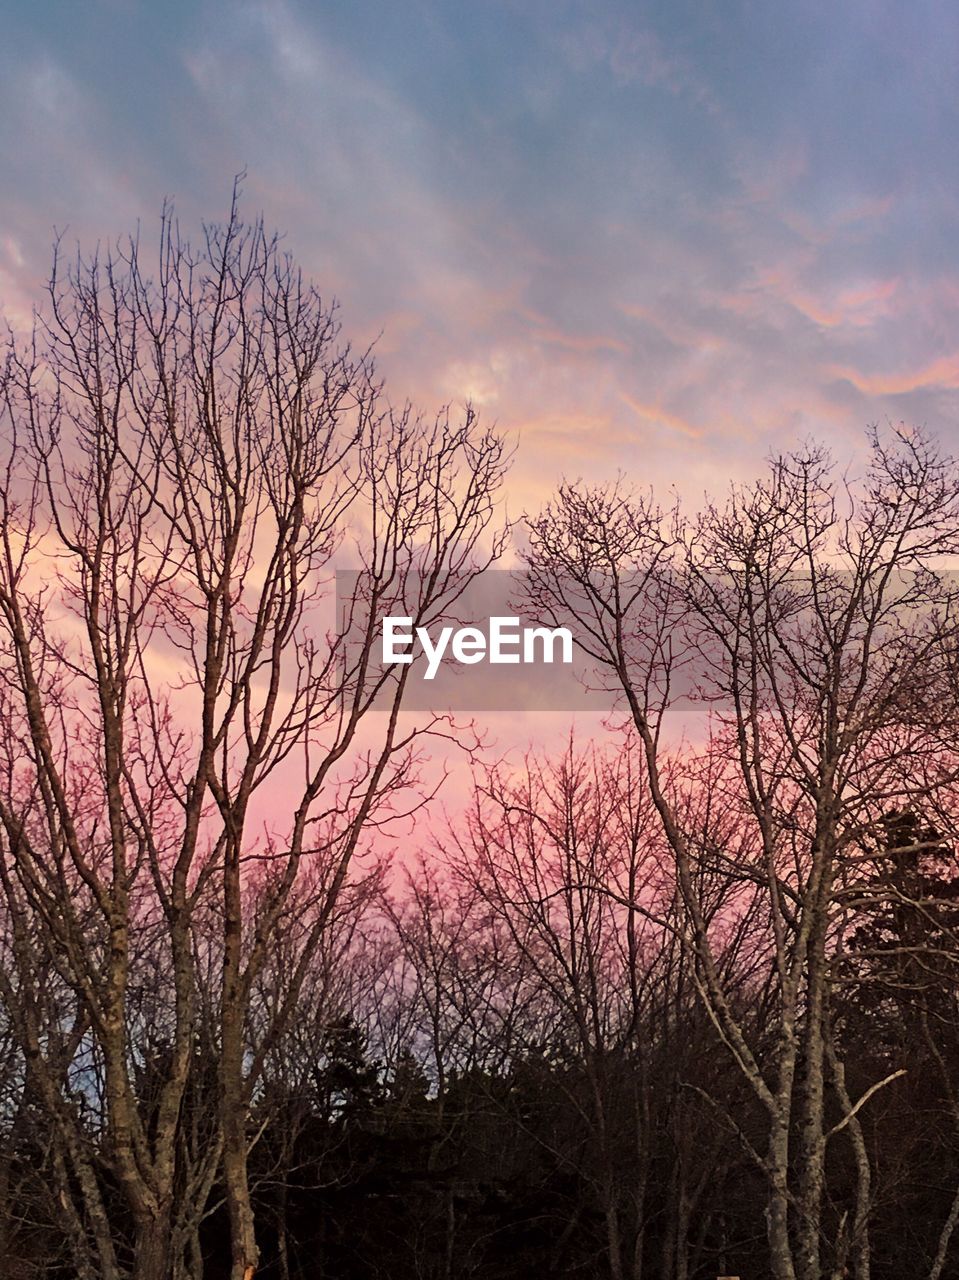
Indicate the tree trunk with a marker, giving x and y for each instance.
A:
(777, 1205)
(812, 1142)
(154, 1249)
(243, 1251)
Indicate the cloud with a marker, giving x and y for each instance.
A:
(621, 235)
(657, 416)
(942, 372)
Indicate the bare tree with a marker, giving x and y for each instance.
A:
(565, 857)
(817, 618)
(184, 456)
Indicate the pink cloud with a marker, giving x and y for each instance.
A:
(941, 372)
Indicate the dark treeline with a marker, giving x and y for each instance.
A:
(500, 1070)
(677, 1004)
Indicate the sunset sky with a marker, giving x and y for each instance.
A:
(661, 238)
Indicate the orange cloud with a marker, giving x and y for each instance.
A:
(583, 344)
(856, 306)
(678, 331)
(859, 307)
(655, 414)
(941, 372)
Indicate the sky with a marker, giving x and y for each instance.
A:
(656, 239)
